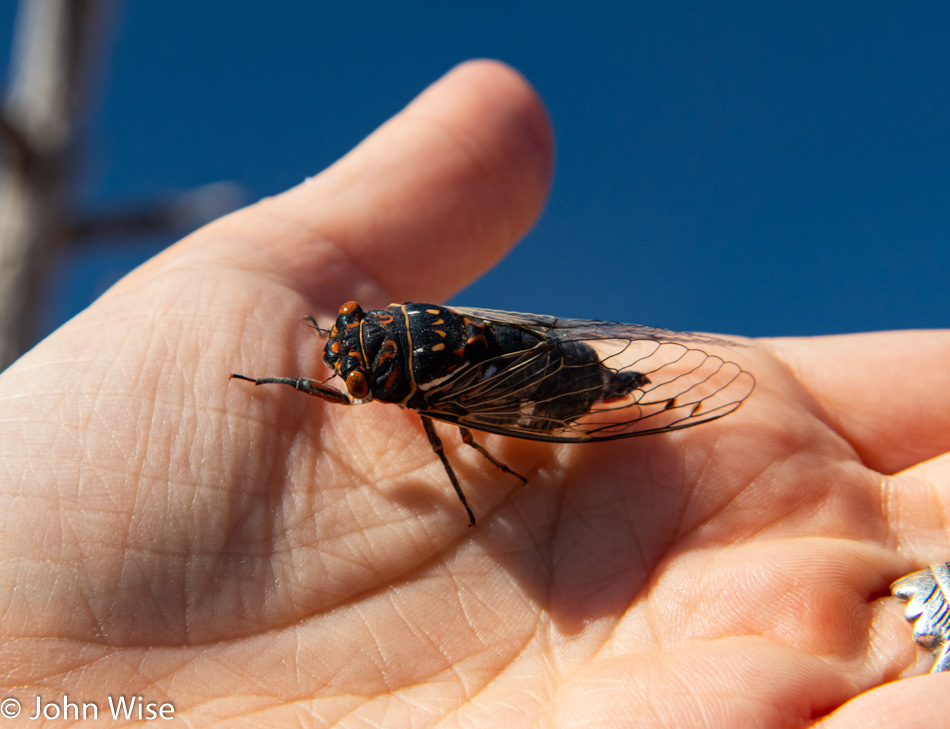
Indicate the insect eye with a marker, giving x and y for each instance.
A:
(356, 385)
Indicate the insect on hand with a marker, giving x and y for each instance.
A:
(523, 375)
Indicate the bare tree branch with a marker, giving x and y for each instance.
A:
(55, 44)
(176, 214)
(14, 140)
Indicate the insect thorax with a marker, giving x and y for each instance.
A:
(403, 348)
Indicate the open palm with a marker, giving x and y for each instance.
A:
(256, 557)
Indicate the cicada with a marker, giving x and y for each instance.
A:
(523, 375)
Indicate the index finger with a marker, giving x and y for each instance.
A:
(884, 392)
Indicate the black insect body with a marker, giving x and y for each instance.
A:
(525, 376)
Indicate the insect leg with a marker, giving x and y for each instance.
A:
(436, 444)
(469, 439)
(309, 387)
(311, 322)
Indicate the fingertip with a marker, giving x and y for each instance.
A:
(506, 116)
(438, 194)
(423, 206)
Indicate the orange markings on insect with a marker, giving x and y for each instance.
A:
(438, 347)
(459, 352)
(476, 338)
(335, 347)
(432, 311)
(349, 307)
(441, 333)
(391, 378)
(385, 320)
(387, 351)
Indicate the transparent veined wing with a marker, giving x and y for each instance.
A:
(555, 390)
(592, 329)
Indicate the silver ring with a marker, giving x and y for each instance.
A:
(927, 593)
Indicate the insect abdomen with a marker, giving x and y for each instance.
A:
(522, 378)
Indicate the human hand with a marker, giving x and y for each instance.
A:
(256, 557)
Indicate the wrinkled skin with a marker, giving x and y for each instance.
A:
(260, 558)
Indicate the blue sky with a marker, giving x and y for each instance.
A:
(754, 168)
